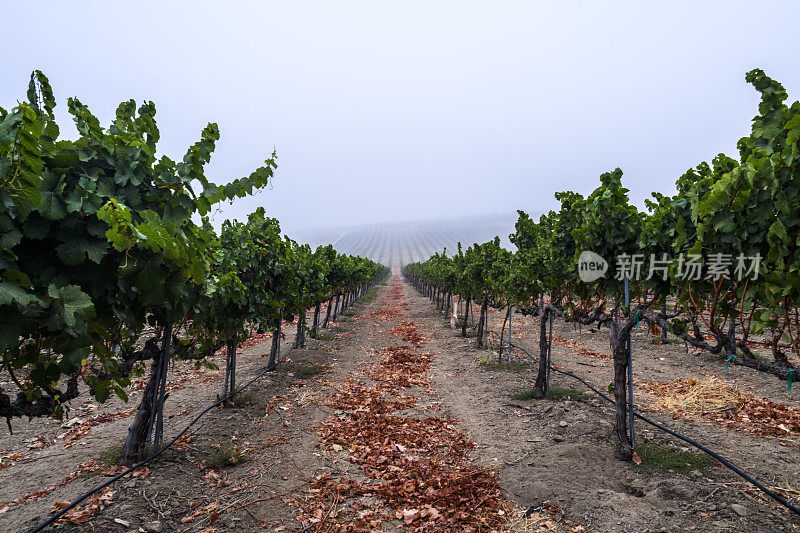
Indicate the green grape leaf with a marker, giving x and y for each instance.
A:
(11, 292)
(74, 303)
(75, 251)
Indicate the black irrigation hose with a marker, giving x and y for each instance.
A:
(119, 476)
(777, 497)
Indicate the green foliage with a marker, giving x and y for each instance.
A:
(246, 264)
(743, 208)
(100, 238)
(564, 393)
(225, 456)
(490, 364)
(110, 456)
(527, 394)
(611, 227)
(661, 457)
(544, 262)
(97, 234)
(244, 398)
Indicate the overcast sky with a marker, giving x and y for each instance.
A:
(412, 110)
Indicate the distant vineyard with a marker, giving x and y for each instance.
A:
(397, 245)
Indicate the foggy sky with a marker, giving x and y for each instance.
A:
(417, 110)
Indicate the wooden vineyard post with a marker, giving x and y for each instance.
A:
(542, 385)
(503, 335)
(630, 368)
(336, 305)
(227, 371)
(299, 337)
(466, 317)
(230, 368)
(509, 334)
(328, 311)
(549, 351)
(486, 327)
(232, 351)
(274, 353)
(315, 323)
(480, 328)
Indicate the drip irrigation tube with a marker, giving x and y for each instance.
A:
(777, 497)
(119, 476)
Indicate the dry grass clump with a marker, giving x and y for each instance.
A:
(720, 402)
(700, 396)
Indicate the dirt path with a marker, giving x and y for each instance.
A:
(389, 422)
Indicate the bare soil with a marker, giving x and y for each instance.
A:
(554, 457)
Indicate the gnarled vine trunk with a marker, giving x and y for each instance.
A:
(482, 324)
(540, 389)
(276, 345)
(466, 317)
(328, 312)
(315, 323)
(148, 421)
(230, 368)
(503, 332)
(336, 306)
(300, 336)
(624, 449)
